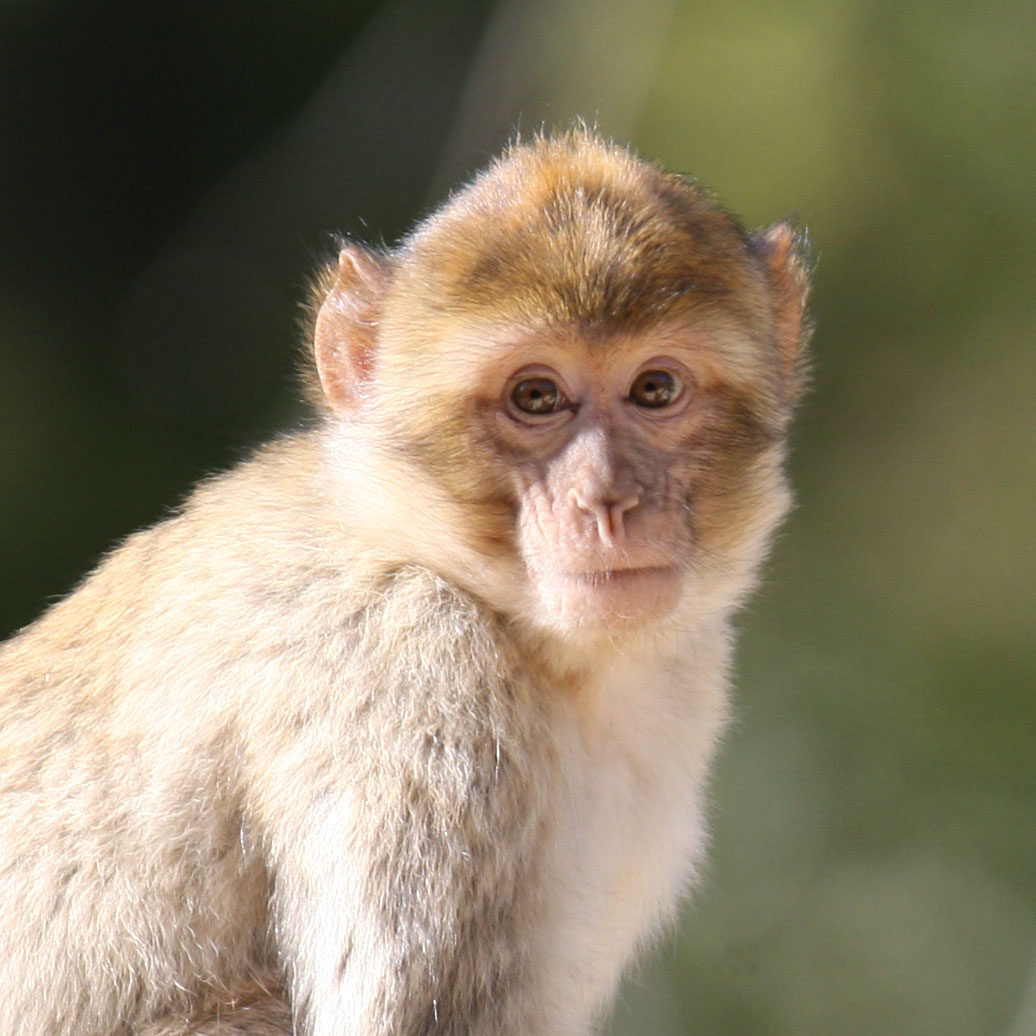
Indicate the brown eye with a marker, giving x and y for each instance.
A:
(655, 389)
(537, 396)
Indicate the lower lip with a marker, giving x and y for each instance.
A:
(614, 598)
(619, 575)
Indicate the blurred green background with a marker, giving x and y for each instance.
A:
(169, 173)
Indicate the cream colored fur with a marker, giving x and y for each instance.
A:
(328, 753)
(213, 753)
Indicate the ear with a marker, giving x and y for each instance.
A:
(346, 327)
(784, 253)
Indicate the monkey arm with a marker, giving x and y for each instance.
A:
(407, 889)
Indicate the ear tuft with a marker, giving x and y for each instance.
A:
(346, 327)
(784, 251)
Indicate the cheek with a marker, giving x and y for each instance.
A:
(546, 531)
(738, 503)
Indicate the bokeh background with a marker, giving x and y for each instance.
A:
(170, 171)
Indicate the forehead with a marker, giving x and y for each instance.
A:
(581, 235)
(481, 357)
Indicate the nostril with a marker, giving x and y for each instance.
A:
(627, 503)
(608, 512)
(580, 502)
(617, 511)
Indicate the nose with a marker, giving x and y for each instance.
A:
(608, 512)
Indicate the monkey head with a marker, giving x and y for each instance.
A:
(584, 368)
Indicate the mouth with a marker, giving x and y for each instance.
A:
(620, 576)
(611, 598)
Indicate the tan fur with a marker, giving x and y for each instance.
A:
(403, 726)
(258, 1008)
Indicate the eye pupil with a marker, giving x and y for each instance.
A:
(654, 389)
(536, 396)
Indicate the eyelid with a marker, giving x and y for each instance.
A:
(661, 363)
(532, 373)
(672, 376)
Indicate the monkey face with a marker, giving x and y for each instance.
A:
(590, 441)
(632, 472)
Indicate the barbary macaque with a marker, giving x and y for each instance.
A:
(403, 726)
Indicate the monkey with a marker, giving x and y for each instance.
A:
(404, 725)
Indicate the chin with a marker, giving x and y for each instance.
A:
(606, 601)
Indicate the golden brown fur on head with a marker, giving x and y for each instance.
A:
(570, 231)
